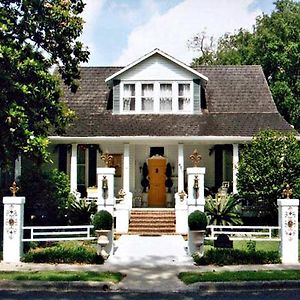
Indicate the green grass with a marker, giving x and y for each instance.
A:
(62, 276)
(192, 277)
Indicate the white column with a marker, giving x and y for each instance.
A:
(288, 222)
(13, 228)
(18, 167)
(235, 164)
(196, 201)
(180, 168)
(126, 168)
(73, 172)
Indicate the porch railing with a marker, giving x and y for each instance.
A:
(258, 233)
(57, 233)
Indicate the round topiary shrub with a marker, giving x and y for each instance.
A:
(197, 220)
(102, 220)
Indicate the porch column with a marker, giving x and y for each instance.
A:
(73, 172)
(235, 164)
(18, 168)
(126, 170)
(180, 168)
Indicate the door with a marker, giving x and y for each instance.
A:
(157, 179)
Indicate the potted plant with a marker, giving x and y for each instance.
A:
(197, 222)
(103, 222)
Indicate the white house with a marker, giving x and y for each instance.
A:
(157, 110)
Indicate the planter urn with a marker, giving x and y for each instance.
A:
(103, 240)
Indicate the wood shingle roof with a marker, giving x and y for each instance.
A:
(239, 103)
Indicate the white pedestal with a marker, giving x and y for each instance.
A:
(106, 199)
(181, 212)
(13, 228)
(196, 201)
(288, 222)
(122, 218)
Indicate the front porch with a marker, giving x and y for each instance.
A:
(152, 171)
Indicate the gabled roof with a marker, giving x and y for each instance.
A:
(163, 54)
(238, 99)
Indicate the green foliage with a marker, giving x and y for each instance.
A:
(36, 35)
(80, 212)
(46, 195)
(223, 210)
(197, 220)
(62, 276)
(251, 246)
(222, 256)
(64, 252)
(274, 44)
(192, 277)
(266, 166)
(102, 220)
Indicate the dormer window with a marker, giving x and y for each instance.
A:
(184, 97)
(156, 97)
(129, 97)
(165, 97)
(148, 97)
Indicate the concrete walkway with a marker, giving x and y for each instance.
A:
(150, 264)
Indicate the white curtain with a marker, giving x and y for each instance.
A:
(184, 96)
(147, 97)
(166, 97)
(129, 97)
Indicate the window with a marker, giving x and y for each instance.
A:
(165, 97)
(184, 97)
(129, 97)
(147, 97)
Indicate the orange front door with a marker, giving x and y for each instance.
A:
(157, 179)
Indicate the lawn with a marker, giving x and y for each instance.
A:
(62, 276)
(192, 277)
(260, 245)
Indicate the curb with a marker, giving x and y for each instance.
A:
(33, 285)
(245, 285)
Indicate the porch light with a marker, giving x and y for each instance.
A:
(104, 184)
(196, 186)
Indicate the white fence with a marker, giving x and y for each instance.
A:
(238, 233)
(57, 233)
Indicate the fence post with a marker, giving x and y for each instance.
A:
(13, 228)
(288, 222)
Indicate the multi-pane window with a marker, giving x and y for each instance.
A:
(184, 97)
(147, 97)
(165, 99)
(129, 97)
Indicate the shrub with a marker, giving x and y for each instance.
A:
(46, 195)
(103, 220)
(64, 252)
(80, 212)
(197, 220)
(223, 210)
(221, 256)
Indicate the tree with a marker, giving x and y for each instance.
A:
(35, 35)
(273, 44)
(266, 166)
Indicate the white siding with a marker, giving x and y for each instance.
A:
(157, 68)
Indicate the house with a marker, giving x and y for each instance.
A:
(152, 114)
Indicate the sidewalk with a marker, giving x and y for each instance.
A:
(150, 264)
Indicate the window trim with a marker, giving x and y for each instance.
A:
(156, 89)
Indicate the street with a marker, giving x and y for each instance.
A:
(275, 294)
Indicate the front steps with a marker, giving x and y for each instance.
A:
(152, 221)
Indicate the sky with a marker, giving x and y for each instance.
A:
(117, 32)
